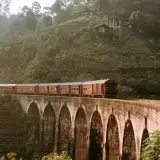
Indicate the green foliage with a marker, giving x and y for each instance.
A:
(37, 156)
(47, 21)
(54, 156)
(18, 135)
(151, 147)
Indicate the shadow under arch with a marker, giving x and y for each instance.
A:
(96, 137)
(80, 131)
(129, 144)
(64, 130)
(112, 139)
(145, 135)
(48, 128)
(34, 119)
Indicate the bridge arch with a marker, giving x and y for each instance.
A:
(112, 139)
(33, 107)
(34, 118)
(48, 128)
(64, 129)
(80, 135)
(129, 144)
(96, 137)
(145, 135)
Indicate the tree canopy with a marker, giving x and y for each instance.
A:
(151, 147)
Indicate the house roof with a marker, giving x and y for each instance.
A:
(100, 25)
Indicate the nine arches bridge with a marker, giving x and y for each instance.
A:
(108, 129)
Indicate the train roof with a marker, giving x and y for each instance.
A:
(63, 83)
(96, 81)
(8, 85)
(47, 84)
(56, 84)
(27, 84)
(71, 83)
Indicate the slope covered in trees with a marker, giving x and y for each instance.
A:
(58, 45)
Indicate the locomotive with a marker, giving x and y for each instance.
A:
(97, 88)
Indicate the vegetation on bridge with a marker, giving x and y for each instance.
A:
(57, 45)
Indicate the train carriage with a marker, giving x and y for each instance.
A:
(64, 89)
(8, 88)
(53, 88)
(43, 88)
(26, 88)
(100, 88)
(76, 89)
(87, 88)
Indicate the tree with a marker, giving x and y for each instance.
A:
(29, 17)
(25, 10)
(5, 7)
(18, 25)
(31, 21)
(57, 6)
(36, 8)
(136, 20)
(47, 11)
(152, 25)
(47, 21)
(151, 147)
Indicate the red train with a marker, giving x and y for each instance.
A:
(98, 88)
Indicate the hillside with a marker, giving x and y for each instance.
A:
(72, 52)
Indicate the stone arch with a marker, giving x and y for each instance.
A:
(112, 139)
(64, 130)
(80, 135)
(129, 144)
(96, 137)
(34, 118)
(48, 128)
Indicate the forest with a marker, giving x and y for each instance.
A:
(56, 44)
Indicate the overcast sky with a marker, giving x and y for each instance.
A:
(18, 4)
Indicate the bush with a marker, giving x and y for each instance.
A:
(9, 156)
(54, 156)
(151, 147)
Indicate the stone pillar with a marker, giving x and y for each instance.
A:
(138, 150)
(87, 140)
(56, 136)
